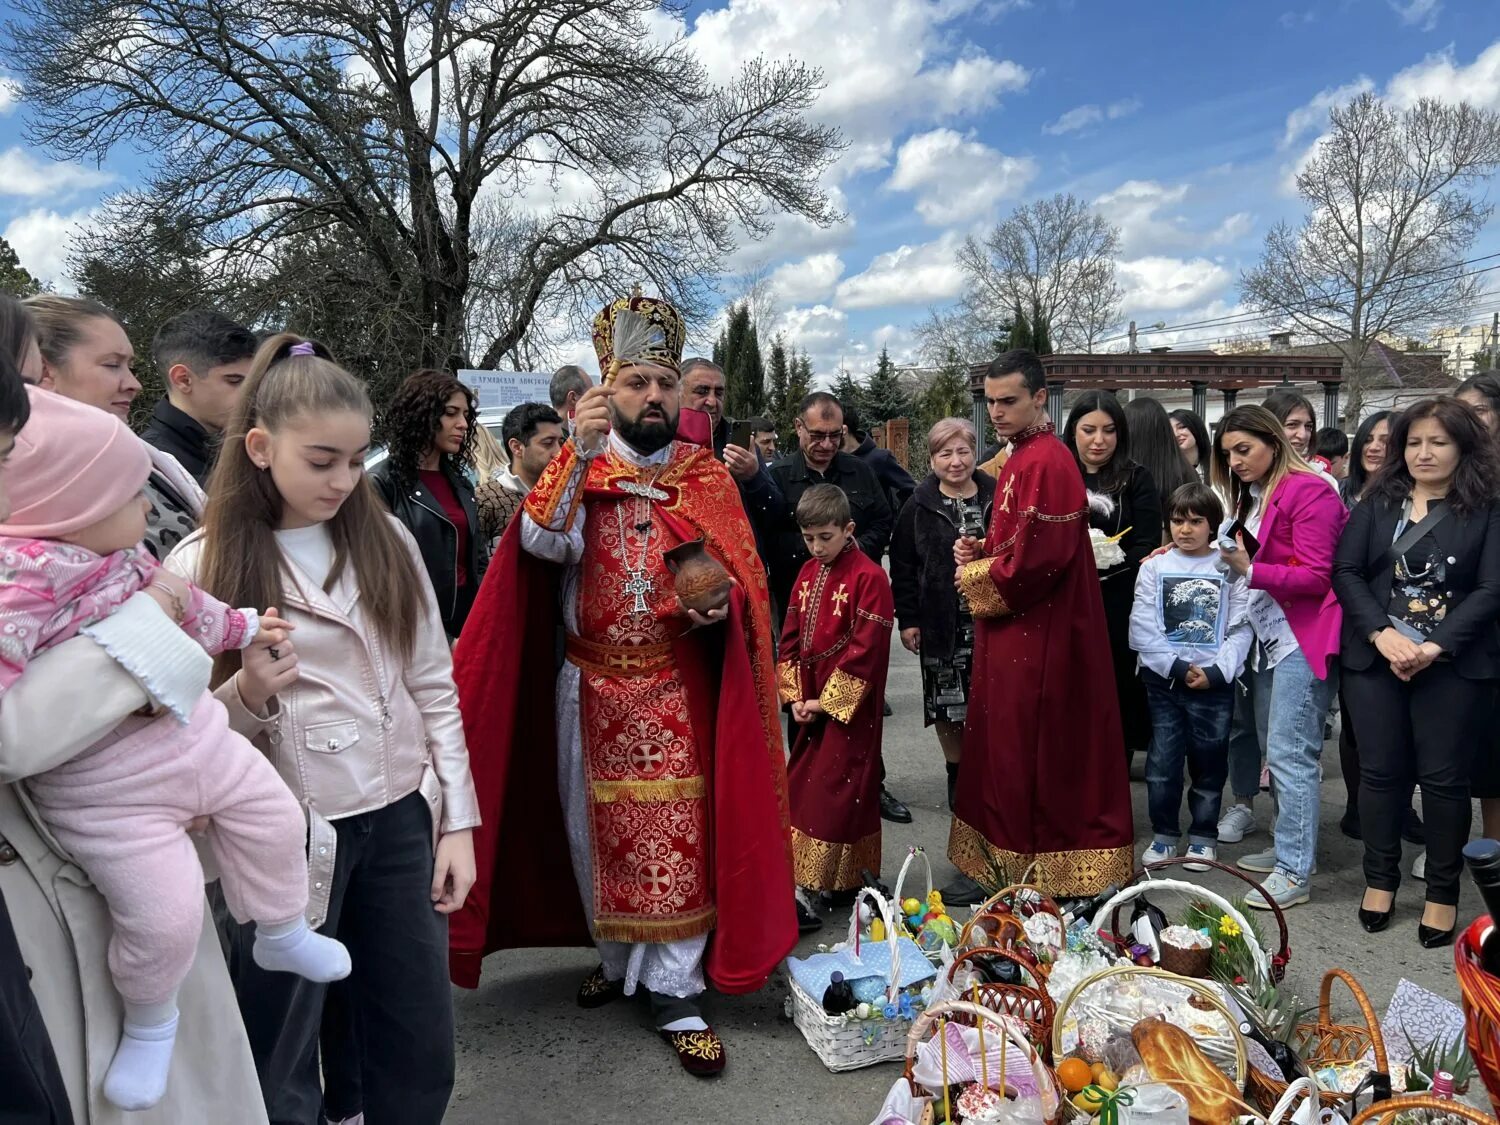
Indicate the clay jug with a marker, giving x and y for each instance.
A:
(700, 580)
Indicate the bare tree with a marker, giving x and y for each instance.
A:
(1055, 260)
(1393, 209)
(384, 126)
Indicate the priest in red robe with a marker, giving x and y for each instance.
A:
(647, 772)
(835, 648)
(1043, 780)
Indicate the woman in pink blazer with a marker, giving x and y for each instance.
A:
(1292, 673)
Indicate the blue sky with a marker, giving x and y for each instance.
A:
(1180, 119)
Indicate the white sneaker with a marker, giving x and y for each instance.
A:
(1237, 822)
(1156, 852)
(1200, 852)
(1419, 867)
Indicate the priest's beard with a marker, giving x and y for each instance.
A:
(649, 432)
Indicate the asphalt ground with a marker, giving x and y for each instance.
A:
(527, 1055)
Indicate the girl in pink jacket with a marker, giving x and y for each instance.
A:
(70, 555)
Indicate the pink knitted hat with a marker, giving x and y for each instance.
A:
(72, 466)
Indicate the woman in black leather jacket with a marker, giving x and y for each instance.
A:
(429, 429)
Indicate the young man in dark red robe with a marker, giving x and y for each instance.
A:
(835, 648)
(1043, 778)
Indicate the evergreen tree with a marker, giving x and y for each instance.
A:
(885, 397)
(779, 379)
(847, 389)
(1020, 330)
(946, 396)
(1041, 333)
(739, 358)
(14, 278)
(718, 353)
(798, 388)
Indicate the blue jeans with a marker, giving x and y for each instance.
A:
(1290, 706)
(1244, 744)
(1188, 729)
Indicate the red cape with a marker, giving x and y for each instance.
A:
(505, 668)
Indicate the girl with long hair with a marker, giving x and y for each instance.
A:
(1367, 455)
(1289, 509)
(1192, 438)
(429, 427)
(1123, 498)
(1481, 393)
(362, 721)
(1418, 575)
(954, 500)
(1154, 446)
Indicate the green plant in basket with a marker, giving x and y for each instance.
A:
(1232, 959)
(1439, 1055)
(1275, 1012)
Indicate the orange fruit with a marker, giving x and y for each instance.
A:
(1074, 1074)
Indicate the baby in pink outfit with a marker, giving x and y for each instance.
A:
(70, 556)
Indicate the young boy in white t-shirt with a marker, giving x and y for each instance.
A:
(1191, 630)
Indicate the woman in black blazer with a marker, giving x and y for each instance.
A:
(1421, 649)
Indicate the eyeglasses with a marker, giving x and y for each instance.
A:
(820, 437)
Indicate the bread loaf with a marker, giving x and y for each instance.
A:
(1171, 1055)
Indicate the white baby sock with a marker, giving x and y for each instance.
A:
(292, 947)
(137, 1077)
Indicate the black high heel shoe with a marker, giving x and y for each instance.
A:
(1376, 920)
(1432, 938)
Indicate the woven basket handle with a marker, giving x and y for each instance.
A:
(1392, 1106)
(1366, 1011)
(1135, 890)
(1284, 950)
(1301, 1087)
(892, 938)
(995, 951)
(911, 854)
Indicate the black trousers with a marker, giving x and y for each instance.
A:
(397, 1011)
(1424, 731)
(31, 1086)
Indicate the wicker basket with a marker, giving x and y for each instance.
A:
(968, 1012)
(845, 1042)
(1201, 988)
(1386, 1110)
(1009, 908)
(1109, 914)
(1481, 997)
(1283, 952)
(1030, 1004)
(1326, 1043)
(933, 955)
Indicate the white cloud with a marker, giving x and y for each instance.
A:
(1293, 20)
(1314, 115)
(1440, 76)
(10, 94)
(888, 66)
(957, 179)
(1136, 207)
(909, 275)
(1155, 284)
(1083, 116)
(1422, 14)
(41, 240)
(22, 175)
(807, 281)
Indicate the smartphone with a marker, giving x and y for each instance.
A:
(741, 435)
(1227, 540)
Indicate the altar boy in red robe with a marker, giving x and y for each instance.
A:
(1043, 781)
(835, 647)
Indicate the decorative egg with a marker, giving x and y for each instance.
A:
(862, 1012)
(910, 906)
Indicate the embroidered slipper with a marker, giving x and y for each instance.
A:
(598, 990)
(701, 1053)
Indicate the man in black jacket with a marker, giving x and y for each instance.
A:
(204, 359)
(896, 481)
(821, 459)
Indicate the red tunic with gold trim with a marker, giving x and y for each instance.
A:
(1043, 778)
(836, 646)
(682, 750)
